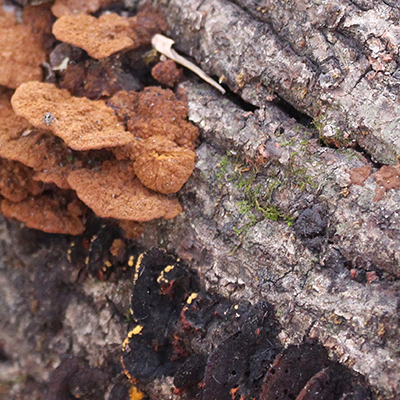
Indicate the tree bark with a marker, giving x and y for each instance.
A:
(272, 212)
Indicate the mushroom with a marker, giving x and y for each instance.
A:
(21, 53)
(164, 45)
(52, 213)
(163, 166)
(82, 123)
(100, 37)
(113, 191)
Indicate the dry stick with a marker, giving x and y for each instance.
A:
(164, 46)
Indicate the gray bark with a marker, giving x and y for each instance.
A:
(337, 62)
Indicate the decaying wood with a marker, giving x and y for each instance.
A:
(271, 212)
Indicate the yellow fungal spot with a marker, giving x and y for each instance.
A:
(191, 298)
(137, 267)
(135, 393)
(108, 264)
(169, 268)
(130, 261)
(135, 331)
(161, 277)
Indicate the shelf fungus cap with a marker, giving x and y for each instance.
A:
(113, 191)
(47, 213)
(82, 123)
(163, 166)
(155, 111)
(100, 37)
(21, 53)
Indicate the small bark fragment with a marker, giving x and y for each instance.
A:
(388, 177)
(360, 174)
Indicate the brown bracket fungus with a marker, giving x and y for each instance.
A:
(100, 37)
(83, 124)
(35, 148)
(110, 33)
(155, 112)
(52, 213)
(163, 166)
(123, 159)
(21, 53)
(114, 192)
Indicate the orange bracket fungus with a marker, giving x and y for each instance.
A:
(21, 53)
(163, 166)
(59, 152)
(110, 33)
(82, 123)
(167, 73)
(114, 192)
(155, 111)
(48, 213)
(100, 37)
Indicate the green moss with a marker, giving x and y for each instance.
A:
(256, 202)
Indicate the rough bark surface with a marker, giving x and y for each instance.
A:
(270, 214)
(337, 61)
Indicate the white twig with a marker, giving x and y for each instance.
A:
(164, 46)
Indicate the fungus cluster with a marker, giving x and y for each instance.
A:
(68, 141)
